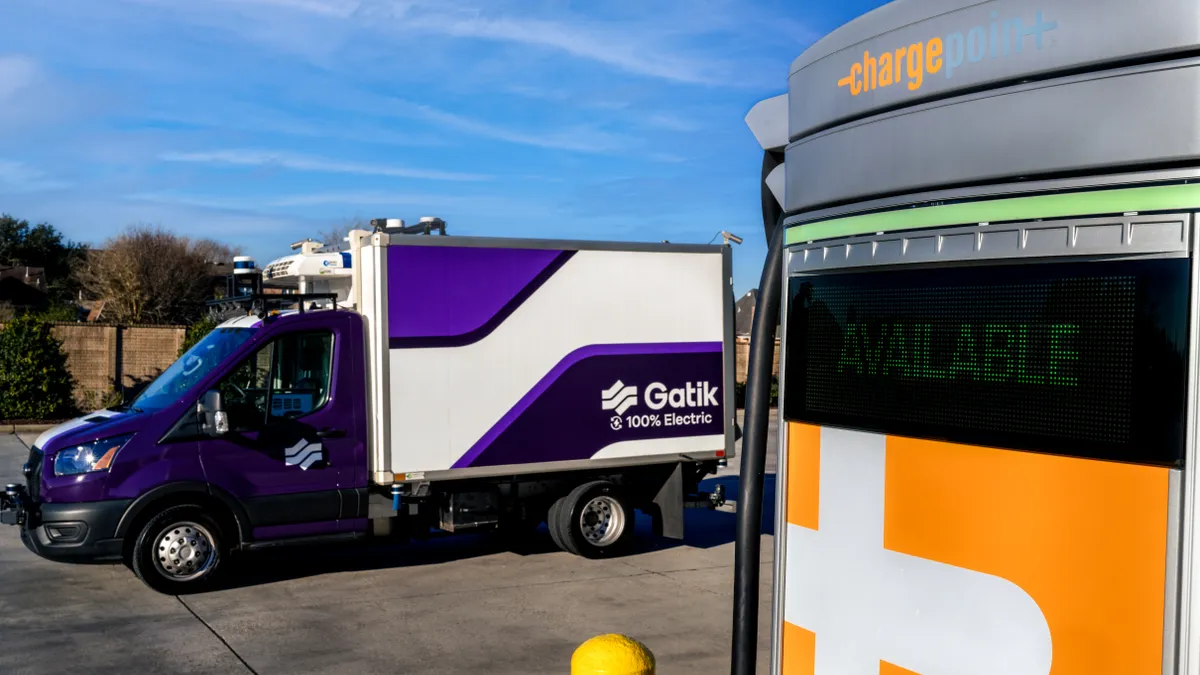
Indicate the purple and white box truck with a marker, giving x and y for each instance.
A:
(413, 383)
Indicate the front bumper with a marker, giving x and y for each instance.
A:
(12, 510)
(73, 532)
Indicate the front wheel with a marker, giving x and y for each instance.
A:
(594, 521)
(178, 551)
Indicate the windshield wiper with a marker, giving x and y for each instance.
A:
(125, 407)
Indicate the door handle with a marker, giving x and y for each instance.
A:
(330, 432)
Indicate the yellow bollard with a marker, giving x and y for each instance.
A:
(612, 655)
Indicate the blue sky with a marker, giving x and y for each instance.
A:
(261, 122)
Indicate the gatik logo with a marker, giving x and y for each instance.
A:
(691, 395)
(621, 397)
(303, 454)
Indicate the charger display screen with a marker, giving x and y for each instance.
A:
(1081, 358)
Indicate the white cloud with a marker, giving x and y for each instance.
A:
(328, 8)
(35, 99)
(579, 139)
(218, 203)
(200, 202)
(20, 177)
(668, 158)
(651, 48)
(473, 206)
(17, 72)
(266, 119)
(294, 162)
(348, 200)
(555, 94)
(372, 198)
(592, 100)
(631, 51)
(672, 122)
(92, 217)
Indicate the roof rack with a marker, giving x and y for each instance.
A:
(259, 303)
(427, 226)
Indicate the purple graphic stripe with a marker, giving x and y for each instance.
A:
(568, 421)
(565, 364)
(440, 293)
(497, 318)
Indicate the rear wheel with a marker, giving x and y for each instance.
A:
(594, 521)
(552, 520)
(179, 551)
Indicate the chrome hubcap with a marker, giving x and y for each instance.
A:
(184, 552)
(602, 521)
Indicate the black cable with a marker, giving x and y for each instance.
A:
(754, 459)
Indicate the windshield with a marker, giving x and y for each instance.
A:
(193, 366)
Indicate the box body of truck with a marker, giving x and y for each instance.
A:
(491, 357)
(412, 384)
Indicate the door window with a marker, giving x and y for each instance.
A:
(285, 379)
(300, 379)
(244, 391)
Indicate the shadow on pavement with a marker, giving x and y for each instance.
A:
(704, 529)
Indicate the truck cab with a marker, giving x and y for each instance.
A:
(166, 481)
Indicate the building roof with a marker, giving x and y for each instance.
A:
(32, 276)
(14, 291)
(743, 318)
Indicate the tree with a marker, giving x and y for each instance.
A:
(335, 237)
(60, 312)
(149, 275)
(34, 381)
(197, 331)
(43, 246)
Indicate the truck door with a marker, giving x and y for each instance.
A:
(295, 437)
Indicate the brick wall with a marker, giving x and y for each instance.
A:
(106, 359)
(741, 347)
(147, 351)
(91, 357)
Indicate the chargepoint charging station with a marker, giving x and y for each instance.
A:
(982, 219)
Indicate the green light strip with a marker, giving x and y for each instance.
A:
(1158, 198)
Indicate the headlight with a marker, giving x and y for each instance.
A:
(89, 457)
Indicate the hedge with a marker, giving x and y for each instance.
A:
(34, 380)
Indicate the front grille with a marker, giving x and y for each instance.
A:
(33, 475)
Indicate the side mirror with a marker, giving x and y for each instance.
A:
(214, 421)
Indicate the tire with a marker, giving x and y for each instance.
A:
(594, 521)
(552, 520)
(202, 544)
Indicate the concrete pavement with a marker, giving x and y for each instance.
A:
(455, 604)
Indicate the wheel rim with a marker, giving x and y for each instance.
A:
(184, 551)
(602, 521)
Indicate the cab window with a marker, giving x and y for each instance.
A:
(285, 379)
(244, 391)
(300, 378)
